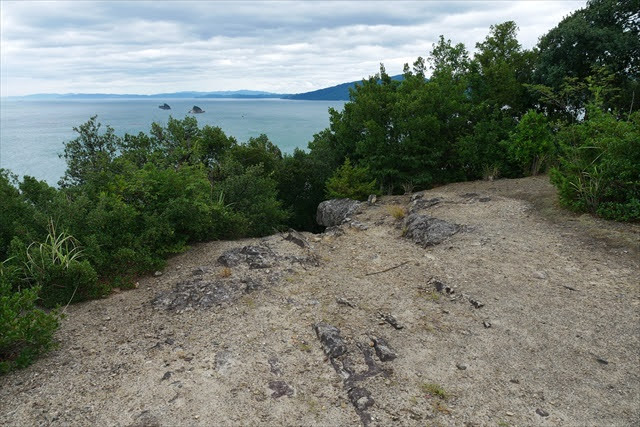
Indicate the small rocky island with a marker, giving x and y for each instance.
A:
(164, 106)
(196, 110)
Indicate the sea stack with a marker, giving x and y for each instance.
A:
(196, 110)
(164, 106)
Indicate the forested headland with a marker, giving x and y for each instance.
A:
(569, 107)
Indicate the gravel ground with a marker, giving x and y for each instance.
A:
(527, 316)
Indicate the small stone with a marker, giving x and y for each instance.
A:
(540, 275)
(509, 414)
(390, 319)
(383, 350)
(372, 199)
(602, 361)
(514, 381)
(486, 324)
(461, 366)
(542, 412)
(344, 301)
(157, 273)
(476, 303)
(166, 376)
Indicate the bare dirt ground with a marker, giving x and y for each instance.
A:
(528, 316)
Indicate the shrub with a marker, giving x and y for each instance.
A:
(350, 182)
(25, 331)
(598, 170)
(253, 197)
(54, 267)
(531, 143)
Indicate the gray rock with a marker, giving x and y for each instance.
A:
(360, 398)
(383, 350)
(231, 258)
(390, 319)
(372, 199)
(329, 336)
(420, 203)
(254, 256)
(428, 231)
(294, 237)
(280, 388)
(258, 256)
(157, 273)
(461, 366)
(335, 211)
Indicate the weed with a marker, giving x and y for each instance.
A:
(434, 389)
(225, 272)
(407, 187)
(489, 173)
(397, 211)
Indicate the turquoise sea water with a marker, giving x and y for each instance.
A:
(32, 132)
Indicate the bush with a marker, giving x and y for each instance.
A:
(531, 144)
(25, 331)
(253, 197)
(350, 182)
(598, 171)
(54, 267)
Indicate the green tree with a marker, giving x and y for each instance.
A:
(89, 156)
(604, 34)
(350, 182)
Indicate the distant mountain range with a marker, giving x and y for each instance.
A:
(334, 93)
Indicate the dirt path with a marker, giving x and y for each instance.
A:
(528, 316)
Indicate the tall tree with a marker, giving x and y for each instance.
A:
(605, 34)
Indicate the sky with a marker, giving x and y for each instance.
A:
(283, 47)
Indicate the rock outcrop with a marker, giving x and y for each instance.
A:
(428, 231)
(196, 110)
(335, 211)
(164, 106)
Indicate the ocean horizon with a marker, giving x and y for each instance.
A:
(33, 132)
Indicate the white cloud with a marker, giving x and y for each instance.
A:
(151, 47)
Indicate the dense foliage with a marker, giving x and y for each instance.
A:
(126, 203)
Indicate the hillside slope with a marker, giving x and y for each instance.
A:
(526, 316)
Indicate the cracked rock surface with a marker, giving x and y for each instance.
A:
(298, 329)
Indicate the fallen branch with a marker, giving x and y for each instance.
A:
(388, 269)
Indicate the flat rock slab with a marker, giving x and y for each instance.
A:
(428, 231)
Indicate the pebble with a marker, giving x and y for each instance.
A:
(540, 275)
(486, 324)
(461, 366)
(542, 412)
(509, 414)
(157, 273)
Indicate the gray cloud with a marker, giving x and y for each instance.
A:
(150, 47)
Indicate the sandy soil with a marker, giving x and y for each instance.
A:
(555, 340)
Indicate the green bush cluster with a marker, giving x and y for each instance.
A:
(599, 168)
(25, 330)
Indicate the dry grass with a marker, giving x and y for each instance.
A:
(397, 211)
(225, 272)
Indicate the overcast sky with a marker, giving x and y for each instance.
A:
(164, 46)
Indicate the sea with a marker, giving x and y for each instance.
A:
(33, 132)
